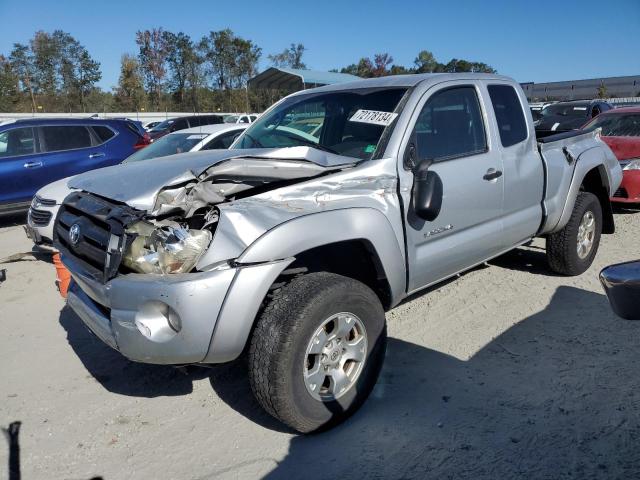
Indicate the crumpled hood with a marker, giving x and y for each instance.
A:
(138, 183)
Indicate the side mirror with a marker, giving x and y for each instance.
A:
(427, 192)
(621, 282)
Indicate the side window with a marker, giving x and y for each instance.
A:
(450, 125)
(18, 141)
(65, 137)
(103, 133)
(509, 114)
(224, 141)
(196, 122)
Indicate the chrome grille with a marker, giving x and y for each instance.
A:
(40, 218)
(90, 231)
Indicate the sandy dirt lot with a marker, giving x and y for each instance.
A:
(505, 372)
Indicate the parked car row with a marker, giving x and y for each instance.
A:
(36, 152)
(48, 199)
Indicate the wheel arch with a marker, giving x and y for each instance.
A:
(332, 235)
(590, 175)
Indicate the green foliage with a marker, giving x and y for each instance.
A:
(425, 62)
(601, 91)
(170, 71)
(129, 95)
(290, 57)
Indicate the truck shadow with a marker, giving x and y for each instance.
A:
(555, 396)
(119, 375)
(13, 220)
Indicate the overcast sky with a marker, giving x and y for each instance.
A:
(535, 40)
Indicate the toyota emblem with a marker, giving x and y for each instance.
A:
(74, 234)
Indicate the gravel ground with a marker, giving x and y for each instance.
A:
(505, 372)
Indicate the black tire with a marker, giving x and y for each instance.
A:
(279, 342)
(562, 253)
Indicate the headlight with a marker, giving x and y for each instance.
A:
(631, 164)
(165, 249)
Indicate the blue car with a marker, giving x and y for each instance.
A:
(36, 152)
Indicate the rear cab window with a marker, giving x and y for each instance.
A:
(509, 114)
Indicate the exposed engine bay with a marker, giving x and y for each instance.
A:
(177, 222)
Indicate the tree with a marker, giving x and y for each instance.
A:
(129, 95)
(290, 57)
(601, 92)
(363, 69)
(456, 65)
(9, 91)
(425, 62)
(21, 62)
(152, 57)
(231, 60)
(381, 62)
(46, 55)
(78, 71)
(184, 66)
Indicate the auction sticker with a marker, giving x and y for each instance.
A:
(373, 117)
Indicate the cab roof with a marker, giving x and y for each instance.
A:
(406, 81)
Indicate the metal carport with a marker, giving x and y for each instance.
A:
(291, 79)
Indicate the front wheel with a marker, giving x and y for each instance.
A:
(571, 250)
(317, 350)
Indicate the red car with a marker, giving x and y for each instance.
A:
(621, 131)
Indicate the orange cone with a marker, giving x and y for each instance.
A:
(63, 277)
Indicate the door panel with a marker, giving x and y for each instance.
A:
(450, 128)
(20, 165)
(523, 169)
(69, 150)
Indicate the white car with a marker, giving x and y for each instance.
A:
(47, 201)
(241, 118)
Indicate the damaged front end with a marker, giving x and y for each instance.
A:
(168, 228)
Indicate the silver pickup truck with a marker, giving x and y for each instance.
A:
(330, 209)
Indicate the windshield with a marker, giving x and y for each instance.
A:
(167, 145)
(616, 125)
(162, 126)
(566, 110)
(347, 122)
(231, 119)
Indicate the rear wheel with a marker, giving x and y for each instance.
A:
(317, 350)
(571, 250)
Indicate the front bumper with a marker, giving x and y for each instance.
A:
(39, 226)
(120, 310)
(629, 190)
(215, 311)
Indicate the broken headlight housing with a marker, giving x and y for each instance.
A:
(164, 249)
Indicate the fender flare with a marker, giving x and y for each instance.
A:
(309, 231)
(594, 158)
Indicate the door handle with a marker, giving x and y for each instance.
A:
(96, 155)
(32, 164)
(492, 174)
